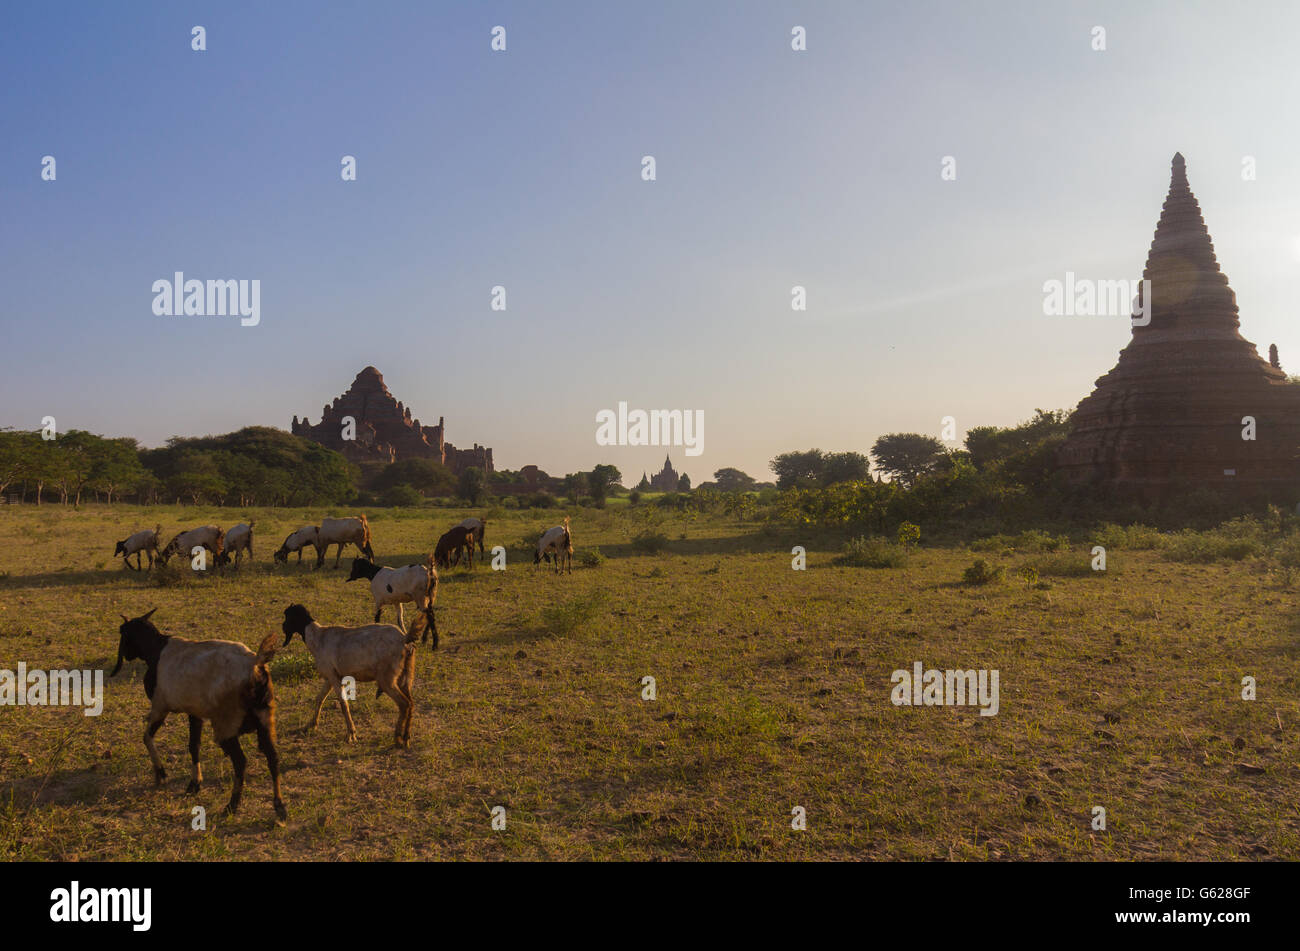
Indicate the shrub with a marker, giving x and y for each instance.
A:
(908, 534)
(872, 552)
(591, 558)
(540, 500)
(1133, 537)
(649, 543)
(399, 496)
(981, 572)
(1066, 565)
(573, 614)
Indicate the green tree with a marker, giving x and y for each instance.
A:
(684, 483)
(600, 480)
(116, 467)
(907, 456)
(471, 485)
(799, 469)
(427, 477)
(733, 480)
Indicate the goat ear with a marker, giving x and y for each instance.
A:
(125, 619)
(121, 643)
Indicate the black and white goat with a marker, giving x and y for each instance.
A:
(220, 681)
(418, 583)
(144, 541)
(378, 652)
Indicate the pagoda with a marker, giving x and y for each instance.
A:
(1190, 403)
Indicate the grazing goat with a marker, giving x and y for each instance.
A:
(297, 541)
(378, 652)
(220, 681)
(418, 583)
(343, 531)
(558, 542)
(458, 539)
(144, 541)
(209, 537)
(477, 525)
(238, 540)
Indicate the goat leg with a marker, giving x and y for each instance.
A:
(196, 738)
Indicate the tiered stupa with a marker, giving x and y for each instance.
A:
(1170, 414)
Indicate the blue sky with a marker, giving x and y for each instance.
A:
(522, 169)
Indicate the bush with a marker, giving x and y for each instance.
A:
(908, 534)
(591, 558)
(1207, 547)
(981, 572)
(1133, 537)
(401, 496)
(1066, 565)
(649, 543)
(573, 614)
(539, 500)
(872, 552)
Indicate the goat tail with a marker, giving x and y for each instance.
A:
(418, 625)
(266, 650)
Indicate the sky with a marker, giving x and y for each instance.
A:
(523, 169)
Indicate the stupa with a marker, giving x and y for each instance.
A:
(1173, 413)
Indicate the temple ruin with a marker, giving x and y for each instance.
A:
(1190, 403)
(384, 430)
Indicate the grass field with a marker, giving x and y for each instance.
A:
(1119, 689)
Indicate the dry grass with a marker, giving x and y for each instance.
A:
(1120, 690)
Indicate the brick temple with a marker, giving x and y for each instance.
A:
(385, 429)
(1170, 413)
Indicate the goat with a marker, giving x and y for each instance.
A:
(220, 681)
(418, 583)
(378, 652)
(558, 542)
(343, 531)
(457, 539)
(238, 540)
(209, 536)
(144, 541)
(297, 541)
(477, 525)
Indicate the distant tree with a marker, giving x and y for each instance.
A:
(427, 477)
(907, 456)
(991, 444)
(197, 477)
(798, 469)
(600, 480)
(115, 467)
(684, 483)
(77, 452)
(471, 486)
(576, 485)
(15, 456)
(845, 467)
(733, 480)
(401, 496)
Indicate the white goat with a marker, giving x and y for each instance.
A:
(378, 652)
(343, 531)
(144, 541)
(208, 536)
(418, 583)
(238, 540)
(220, 681)
(297, 541)
(556, 542)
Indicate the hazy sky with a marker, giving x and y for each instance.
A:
(523, 169)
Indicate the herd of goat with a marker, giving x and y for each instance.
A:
(230, 686)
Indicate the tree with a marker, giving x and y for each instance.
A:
(845, 467)
(733, 480)
(990, 444)
(684, 483)
(798, 469)
(77, 452)
(600, 480)
(116, 467)
(575, 484)
(471, 485)
(907, 456)
(424, 475)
